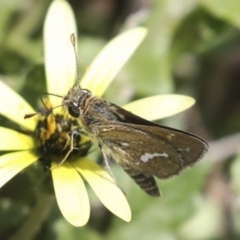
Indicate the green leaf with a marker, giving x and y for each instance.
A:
(228, 10)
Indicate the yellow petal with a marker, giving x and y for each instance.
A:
(105, 188)
(58, 50)
(13, 163)
(157, 107)
(71, 194)
(12, 140)
(110, 60)
(14, 107)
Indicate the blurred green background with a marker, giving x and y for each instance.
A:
(193, 48)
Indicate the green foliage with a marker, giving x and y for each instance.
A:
(193, 48)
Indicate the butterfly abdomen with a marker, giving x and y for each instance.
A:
(147, 183)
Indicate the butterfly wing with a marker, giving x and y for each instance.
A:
(153, 151)
(143, 148)
(145, 151)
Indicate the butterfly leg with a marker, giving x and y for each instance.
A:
(71, 138)
(107, 166)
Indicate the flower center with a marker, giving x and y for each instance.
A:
(58, 136)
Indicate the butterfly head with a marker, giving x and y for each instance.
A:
(75, 100)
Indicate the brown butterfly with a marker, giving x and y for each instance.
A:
(144, 149)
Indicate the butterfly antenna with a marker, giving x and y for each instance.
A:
(46, 109)
(73, 40)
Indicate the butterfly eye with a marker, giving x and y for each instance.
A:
(74, 111)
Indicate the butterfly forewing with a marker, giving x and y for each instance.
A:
(152, 151)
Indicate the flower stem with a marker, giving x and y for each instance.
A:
(35, 218)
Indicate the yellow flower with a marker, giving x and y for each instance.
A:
(69, 188)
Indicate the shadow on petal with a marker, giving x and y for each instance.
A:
(14, 140)
(105, 188)
(71, 194)
(13, 163)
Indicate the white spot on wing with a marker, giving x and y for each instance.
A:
(187, 149)
(124, 144)
(148, 156)
(170, 136)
